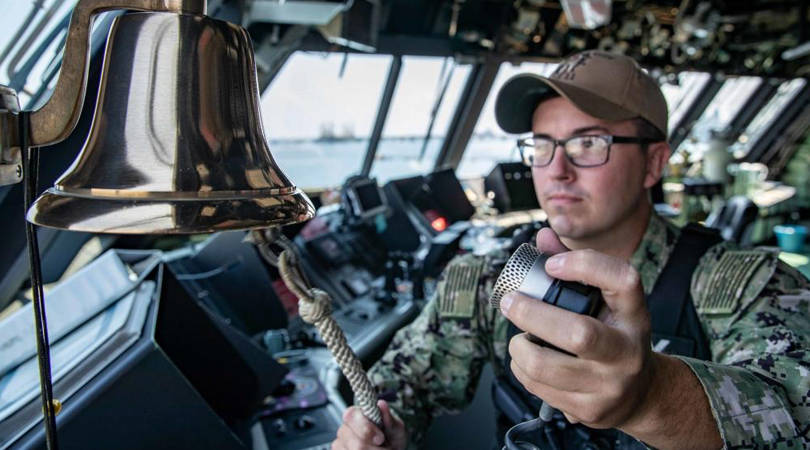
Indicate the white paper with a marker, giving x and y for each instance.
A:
(21, 385)
(67, 306)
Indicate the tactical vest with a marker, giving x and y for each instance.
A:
(676, 330)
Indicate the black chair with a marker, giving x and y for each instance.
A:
(734, 219)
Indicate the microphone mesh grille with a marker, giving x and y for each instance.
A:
(513, 273)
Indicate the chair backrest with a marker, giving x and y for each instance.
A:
(734, 218)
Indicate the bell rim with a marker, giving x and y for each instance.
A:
(282, 210)
(112, 194)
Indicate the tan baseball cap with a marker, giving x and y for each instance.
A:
(603, 85)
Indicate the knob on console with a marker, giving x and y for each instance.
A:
(279, 427)
(304, 422)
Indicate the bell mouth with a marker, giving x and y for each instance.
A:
(133, 194)
(165, 214)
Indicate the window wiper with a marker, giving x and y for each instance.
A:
(11, 69)
(437, 104)
(18, 78)
(35, 7)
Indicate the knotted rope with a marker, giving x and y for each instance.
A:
(315, 307)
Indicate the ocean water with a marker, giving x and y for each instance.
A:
(319, 164)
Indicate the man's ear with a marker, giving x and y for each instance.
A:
(657, 158)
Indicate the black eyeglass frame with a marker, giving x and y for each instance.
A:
(611, 139)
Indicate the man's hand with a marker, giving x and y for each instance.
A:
(357, 432)
(612, 378)
(608, 379)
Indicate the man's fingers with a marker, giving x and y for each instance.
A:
(575, 405)
(363, 428)
(580, 335)
(390, 423)
(549, 242)
(396, 437)
(557, 398)
(385, 412)
(550, 367)
(619, 281)
(347, 439)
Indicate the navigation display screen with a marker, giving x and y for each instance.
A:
(369, 196)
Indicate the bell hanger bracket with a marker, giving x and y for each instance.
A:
(55, 120)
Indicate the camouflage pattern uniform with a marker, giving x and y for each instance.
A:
(755, 312)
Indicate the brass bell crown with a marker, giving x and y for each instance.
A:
(177, 143)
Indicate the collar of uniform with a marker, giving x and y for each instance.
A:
(654, 250)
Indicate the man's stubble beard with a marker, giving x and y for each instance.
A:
(568, 223)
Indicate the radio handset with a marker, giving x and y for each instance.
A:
(525, 273)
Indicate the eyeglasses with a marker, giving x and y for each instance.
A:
(582, 151)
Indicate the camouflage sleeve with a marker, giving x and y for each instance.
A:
(432, 366)
(756, 312)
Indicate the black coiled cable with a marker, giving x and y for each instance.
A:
(531, 426)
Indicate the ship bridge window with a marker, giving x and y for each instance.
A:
(426, 94)
(489, 145)
(31, 45)
(682, 94)
(319, 113)
(717, 117)
(766, 116)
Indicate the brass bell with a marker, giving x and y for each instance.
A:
(177, 143)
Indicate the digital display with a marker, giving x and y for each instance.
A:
(368, 195)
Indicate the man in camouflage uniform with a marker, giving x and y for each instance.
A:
(754, 310)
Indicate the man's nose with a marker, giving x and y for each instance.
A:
(560, 167)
